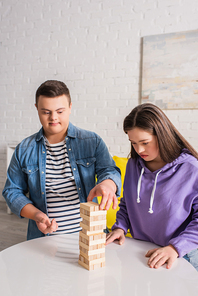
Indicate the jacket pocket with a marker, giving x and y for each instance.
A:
(86, 162)
(30, 169)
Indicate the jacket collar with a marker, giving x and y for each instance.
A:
(40, 135)
(71, 132)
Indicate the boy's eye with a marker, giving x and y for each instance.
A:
(145, 143)
(59, 112)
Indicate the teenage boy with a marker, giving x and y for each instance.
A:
(57, 168)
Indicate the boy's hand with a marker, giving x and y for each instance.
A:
(42, 220)
(106, 189)
(43, 223)
(160, 256)
(116, 234)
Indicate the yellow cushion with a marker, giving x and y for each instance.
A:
(121, 162)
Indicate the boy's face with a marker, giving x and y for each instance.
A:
(54, 116)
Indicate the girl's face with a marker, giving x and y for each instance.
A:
(145, 144)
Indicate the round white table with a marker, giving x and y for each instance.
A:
(49, 266)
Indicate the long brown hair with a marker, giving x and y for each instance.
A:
(152, 119)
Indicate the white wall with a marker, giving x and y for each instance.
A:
(94, 47)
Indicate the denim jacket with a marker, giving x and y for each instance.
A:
(89, 158)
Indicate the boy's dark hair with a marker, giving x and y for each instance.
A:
(52, 89)
(152, 119)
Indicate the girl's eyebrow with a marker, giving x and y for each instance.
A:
(139, 141)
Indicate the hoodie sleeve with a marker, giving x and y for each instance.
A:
(187, 240)
(122, 219)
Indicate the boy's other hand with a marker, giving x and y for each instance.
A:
(43, 223)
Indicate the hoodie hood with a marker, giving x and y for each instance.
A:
(185, 156)
(168, 169)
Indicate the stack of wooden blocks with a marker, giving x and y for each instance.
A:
(91, 237)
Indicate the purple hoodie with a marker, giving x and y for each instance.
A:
(162, 206)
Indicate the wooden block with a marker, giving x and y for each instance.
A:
(102, 264)
(93, 223)
(92, 262)
(92, 239)
(91, 265)
(93, 213)
(98, 213)
(92, 257)
(94, 236)
(94, 229)
(89, 206)
(94, 218)
(88, 232)
(85, 265)
(85, 245)
(92, 247)
(91, 252)
(91, 243)
(99, 236)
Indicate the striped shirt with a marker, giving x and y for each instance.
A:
(63, 202)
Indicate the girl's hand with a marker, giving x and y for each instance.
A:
(116, 234)
(160, 256)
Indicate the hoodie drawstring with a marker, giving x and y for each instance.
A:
(139, 185)
(152, 194)
(153, 191)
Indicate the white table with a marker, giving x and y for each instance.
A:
(49, 266)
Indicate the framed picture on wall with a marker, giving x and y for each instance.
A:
(170, 70)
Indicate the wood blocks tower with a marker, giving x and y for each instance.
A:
(91, 237)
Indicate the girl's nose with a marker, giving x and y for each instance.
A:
(140, 149)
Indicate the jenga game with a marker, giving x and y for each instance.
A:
(91, 237)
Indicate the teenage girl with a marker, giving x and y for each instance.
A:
(160, 202)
